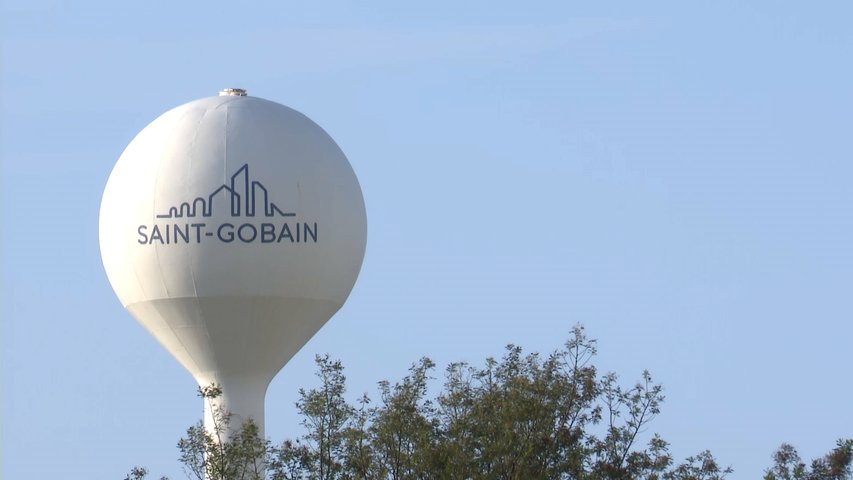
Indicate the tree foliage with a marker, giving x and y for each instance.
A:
(522, 416)
(835, 465)
(206, 455)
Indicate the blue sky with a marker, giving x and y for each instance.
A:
(673, 175)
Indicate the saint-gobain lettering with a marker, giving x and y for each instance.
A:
(186, 233)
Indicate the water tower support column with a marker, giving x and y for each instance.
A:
(242, 397)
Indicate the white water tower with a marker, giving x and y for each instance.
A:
(232, 228)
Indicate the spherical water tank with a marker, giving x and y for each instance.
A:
(232, 228)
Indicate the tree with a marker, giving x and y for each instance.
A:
(520, 416)
(325, 414)
(403, 432)
(205, 455)
(517, 417)
(835, 465)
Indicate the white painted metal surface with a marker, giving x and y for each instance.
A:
(232, 228)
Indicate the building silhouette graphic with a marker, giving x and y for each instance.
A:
(243, 196)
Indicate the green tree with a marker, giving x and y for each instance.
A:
(835, 465)
(139, 473)
(325, 414)
(402, 431)
(206, 455)
(522, 416)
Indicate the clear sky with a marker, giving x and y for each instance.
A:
(676, 176)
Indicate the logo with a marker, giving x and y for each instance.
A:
(245, 200)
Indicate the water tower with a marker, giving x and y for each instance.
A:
(232, 228)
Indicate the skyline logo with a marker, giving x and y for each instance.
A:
(242, 198)
(241, 193)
